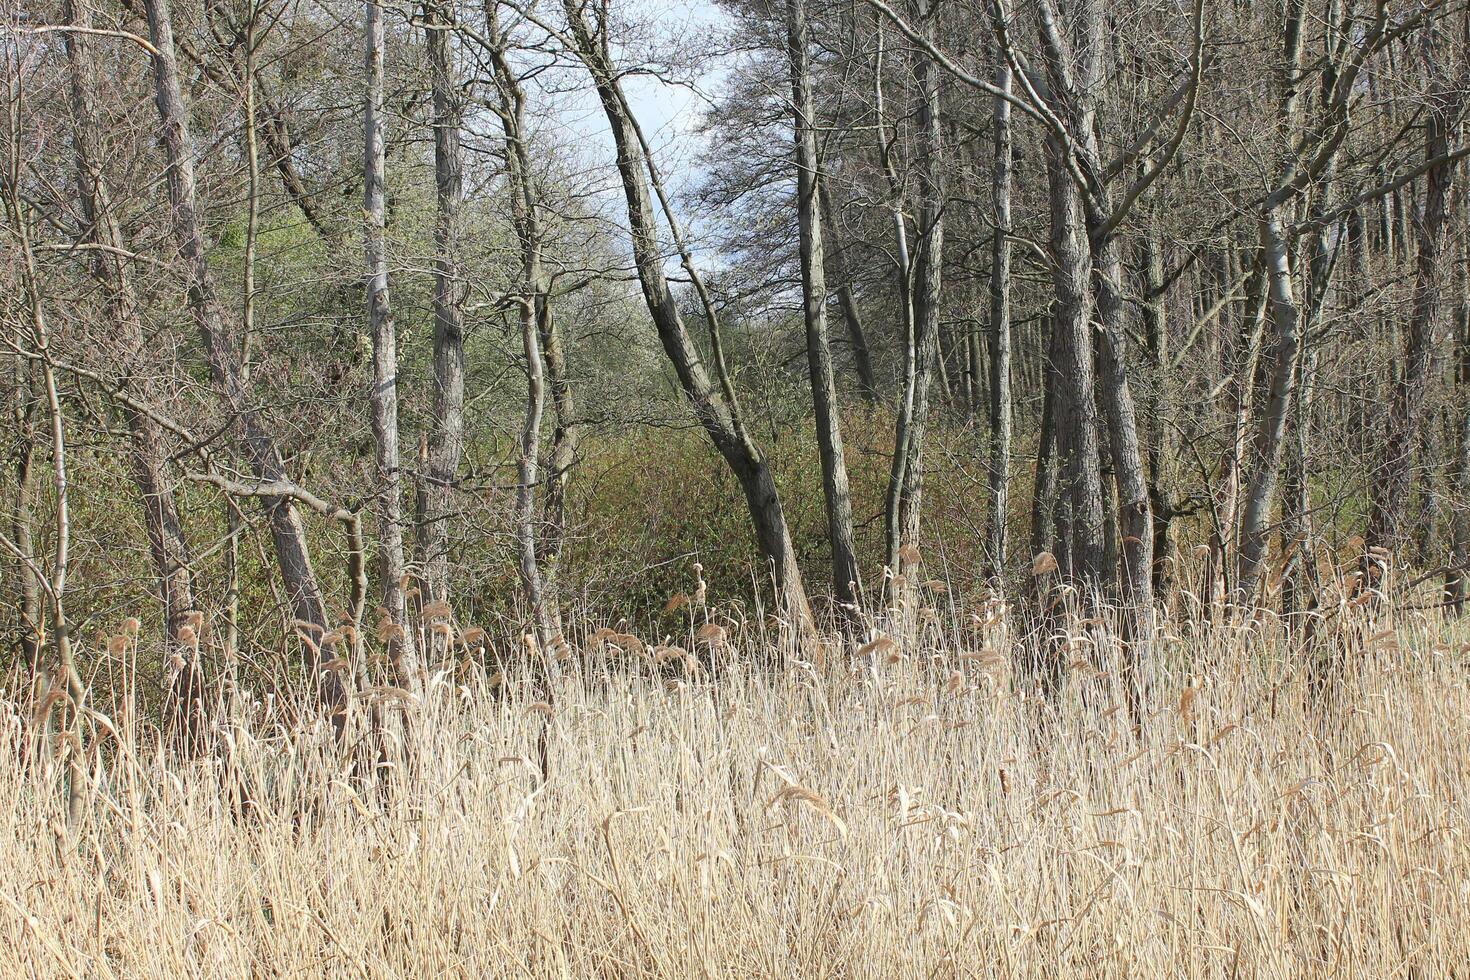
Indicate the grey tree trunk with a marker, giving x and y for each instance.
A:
(535, 323)
(1262, 475)
(1240, 361)
(906, 516)
(1044, 493)
(712, 405)
(30, 626)
(835, 487)
(852, 316)
(1000, 326)
(172, 559)
(1259, 486)
(384, 393)
(1158, 404)
(221, 349)
(899, 462)
(1073, 407)
(446, 436)
(1393, 490)
(1458, 575)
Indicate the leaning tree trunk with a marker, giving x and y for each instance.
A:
(384, 394)
(446, 436)
(147, 456)
(814, 307)
(221, 349)
(712, 405)
(857, 336)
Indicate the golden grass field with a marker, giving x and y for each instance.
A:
(898, 810)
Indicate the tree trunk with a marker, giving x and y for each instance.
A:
(1260, 484)
(1044, 491)
(1393, 490)
(1158, 405)
(172, 560)
(384, 394)
(31, 627)
(712, 406)
(1000, 326)
(221, 349)
(536, 324)
(1073, 412)
(857, 337)
(1458, 575)
(904, 521)
(446, 437)
(814, 307)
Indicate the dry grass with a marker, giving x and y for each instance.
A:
(898, 812)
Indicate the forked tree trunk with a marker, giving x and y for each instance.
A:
(814, 308)
(221, 348)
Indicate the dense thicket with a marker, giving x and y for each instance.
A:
(320, 316)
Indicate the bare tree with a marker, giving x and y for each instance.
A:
(384, 393)
(716, 408)
(845, 576)
(446, 437)
(534, 305)
(1393, 490)
(148, 457)
(222, 347)
(1000, 323)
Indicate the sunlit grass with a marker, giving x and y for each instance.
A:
(889, 808)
